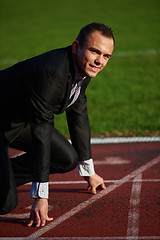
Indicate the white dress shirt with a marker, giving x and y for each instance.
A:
(40, 190)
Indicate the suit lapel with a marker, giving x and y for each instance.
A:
(71, 72)
(69, 87)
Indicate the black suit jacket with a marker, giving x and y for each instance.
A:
(32, 91)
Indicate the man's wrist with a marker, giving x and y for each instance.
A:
(39, 190)
(86, 168)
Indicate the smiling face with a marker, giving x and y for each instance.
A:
(93, 56)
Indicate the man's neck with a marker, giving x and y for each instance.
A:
(77, 74)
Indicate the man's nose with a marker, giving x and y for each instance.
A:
(98, 60)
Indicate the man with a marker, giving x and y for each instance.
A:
(31, 92)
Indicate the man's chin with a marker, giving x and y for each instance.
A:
(92, 74)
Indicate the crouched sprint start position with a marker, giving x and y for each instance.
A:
(31, 93)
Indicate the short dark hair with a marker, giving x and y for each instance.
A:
(92, 27)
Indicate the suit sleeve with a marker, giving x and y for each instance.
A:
(79, 128)
(41, 97)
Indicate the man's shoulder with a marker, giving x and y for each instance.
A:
(64, 50)
(58, 56)
(53, 59)
(56, 53)
(59, 52)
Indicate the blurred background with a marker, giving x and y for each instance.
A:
(124, 99)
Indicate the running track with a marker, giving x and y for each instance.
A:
(129, 208)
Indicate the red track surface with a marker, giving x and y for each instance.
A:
(128, 209)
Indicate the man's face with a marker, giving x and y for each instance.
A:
(93, 56)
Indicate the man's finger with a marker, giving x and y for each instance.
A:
(93, 190)
(30, 223)
(43, 219)
(43, 222)
(37, 219)
(49, 219)
(30, 220)
(103, 186)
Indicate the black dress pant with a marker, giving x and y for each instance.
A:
(17, 171)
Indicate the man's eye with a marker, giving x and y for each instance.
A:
(107, 56)
(93, 51)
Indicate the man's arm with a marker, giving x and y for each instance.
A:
(79, 128)
(40, 101)
(78, 124)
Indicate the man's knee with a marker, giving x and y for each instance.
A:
(73, 161)
(7, 205)
(65, 163)
(8, 196)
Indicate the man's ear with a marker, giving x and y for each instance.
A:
(75, 46)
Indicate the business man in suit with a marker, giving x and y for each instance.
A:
(31, 93)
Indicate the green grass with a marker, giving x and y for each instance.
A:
(124, 99)
(129, 102)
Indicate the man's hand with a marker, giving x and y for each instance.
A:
(95, 182)
(39, 213)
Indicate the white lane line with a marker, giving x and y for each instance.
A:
(102, 238)
(106, 181)
(94, 198)
(25, 215)
(112, 161)
(85, 238)
(14, 216)
(124, 140)
(111, 140)
(133, 214)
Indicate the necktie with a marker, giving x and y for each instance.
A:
(75, 92)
